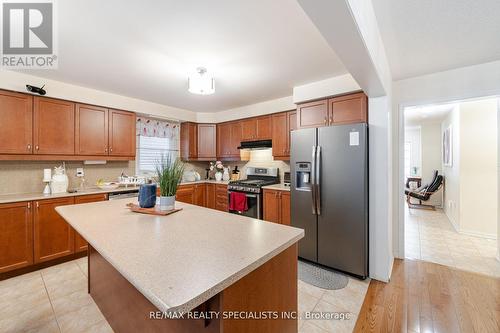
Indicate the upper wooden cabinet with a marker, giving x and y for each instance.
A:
(91, 129)
(257, 128)
(249, 129)
(54, 126)
(122, 133)
(16, 124)
(312, 114)
(264, 128)
(223, 140)
(54, 238)
(16, 236)
(198, 141)
(236, 133)
(347, 109)
(282, 125)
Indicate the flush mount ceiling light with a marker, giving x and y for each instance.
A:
(201, 82)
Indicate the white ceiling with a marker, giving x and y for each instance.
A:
(430, 113)
(426, 36)
(258, 50)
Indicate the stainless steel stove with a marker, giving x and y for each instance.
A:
(252, 187)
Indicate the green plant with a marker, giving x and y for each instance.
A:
(169, 174)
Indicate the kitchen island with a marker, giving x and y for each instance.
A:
(233, 273)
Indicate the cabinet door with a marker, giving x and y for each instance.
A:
(236, 132)
(54, 126)
(16, 124)
(189, 141)
(210, 195)
(313, 114)
(221, 199)
(16, 236)
(280, 134)
(249, 129)
(292, 126)
(264, 128)
(54, 238)
(185, 193)
(207, 141)
(271, 206)
(285, 207)
(122, 134)
(199, 195)
(91, 129)
(348, 109)
(223, 140)
(80, 242)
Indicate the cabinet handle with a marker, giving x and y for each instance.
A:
(29, 147)
(36, 147)
(37, 204)
(110, 150)
(105, 197)
(105, 150)
(326, 120)
(331, 119)
(29, 205)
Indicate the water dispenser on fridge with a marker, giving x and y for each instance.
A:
(303, 176)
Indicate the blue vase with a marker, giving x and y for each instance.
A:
(147, 195)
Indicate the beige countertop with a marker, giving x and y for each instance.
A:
(8, 198)
(181, 260)
(279, 187)
(211, 181)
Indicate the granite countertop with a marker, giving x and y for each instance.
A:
(181, 260)
(211, 181)
(280, 187)
(9, 198)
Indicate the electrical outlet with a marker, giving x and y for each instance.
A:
(79, 172)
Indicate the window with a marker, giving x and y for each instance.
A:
(150, 150)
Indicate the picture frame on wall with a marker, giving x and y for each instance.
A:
(448, 147)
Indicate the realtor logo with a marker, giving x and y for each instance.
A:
(28, 32)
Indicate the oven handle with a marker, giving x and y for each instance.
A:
(248, 195)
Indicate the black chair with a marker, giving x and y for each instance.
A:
(424, 193)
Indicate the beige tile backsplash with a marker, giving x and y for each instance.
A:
(26, 176)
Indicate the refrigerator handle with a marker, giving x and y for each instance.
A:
(313, 179)
(317, 177)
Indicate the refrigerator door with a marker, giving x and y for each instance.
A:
(302, 201)
(343, 189)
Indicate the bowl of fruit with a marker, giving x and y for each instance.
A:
(107, 186)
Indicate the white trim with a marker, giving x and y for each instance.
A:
(477, 234)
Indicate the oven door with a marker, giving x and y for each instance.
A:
(253, 202)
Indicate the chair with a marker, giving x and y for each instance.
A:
(424, 193)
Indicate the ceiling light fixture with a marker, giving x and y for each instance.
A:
(201, 82)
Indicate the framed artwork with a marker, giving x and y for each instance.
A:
(447, 147)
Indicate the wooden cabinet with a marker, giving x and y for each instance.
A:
(312, 114)
(223, 140)
(207, 141)
(210, 195)
(249, 129)
(91, 130)
(80, 242)
(54, 126)
(199, 194)
(236, 133)
(16, 124)
(189, 141)
(256, 128)
(282, 125)
(54, 238)
(122, 133)
(276, 206)
(348, 109)
(185, 193)
(264, 128)
(16, 236)
(221, 198)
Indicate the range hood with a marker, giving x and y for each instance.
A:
(260, 144)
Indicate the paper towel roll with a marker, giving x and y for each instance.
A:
(47, 175)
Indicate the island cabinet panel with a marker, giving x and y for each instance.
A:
(54, 126)
(54, 238)
(221, 198)
(348, 109)
(189, 141)
(81, 244)
(122, 133)
(207, 141)
(16, 123)
(223, 140)
(280, 134)
(91, 130)
(264, 128)
(249, 129)
(210, 195)
(199, 195)
(185, 193)
(312, 114)
(271, 205)
(16, 236)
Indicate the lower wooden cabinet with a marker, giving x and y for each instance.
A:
(54, 238)
(205, 194)
(16, 236)
(210, 195)
(276, 206)
(199, 194)
(221, 199)
(185, 193)
(81, 244)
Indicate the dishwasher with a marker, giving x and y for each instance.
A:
(124, 194)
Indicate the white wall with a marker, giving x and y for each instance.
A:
(452, 203)
(431, 150)
(333, 86)
(478, 168)
(413, 137)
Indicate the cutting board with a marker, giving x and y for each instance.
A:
(152, 211)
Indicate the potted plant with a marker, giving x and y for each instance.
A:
(169, 174)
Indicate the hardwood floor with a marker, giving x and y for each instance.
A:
(428, 297)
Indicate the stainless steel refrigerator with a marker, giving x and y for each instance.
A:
(329, 193)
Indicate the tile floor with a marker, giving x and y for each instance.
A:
(430, 236)
(55, 300)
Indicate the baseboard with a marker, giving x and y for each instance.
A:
(477, 234)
